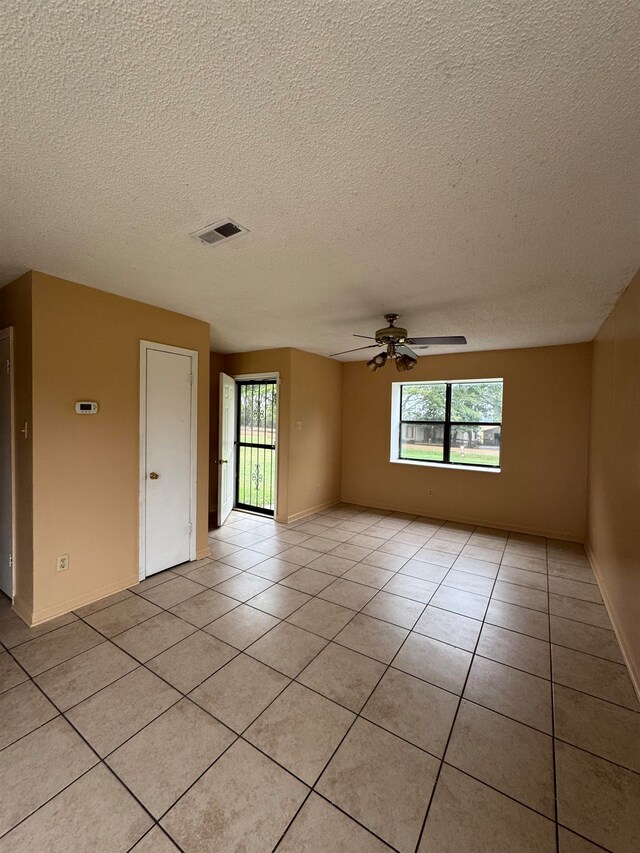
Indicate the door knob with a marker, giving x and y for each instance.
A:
(153, 475)
(223, 461)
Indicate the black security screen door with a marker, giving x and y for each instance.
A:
(256, 421)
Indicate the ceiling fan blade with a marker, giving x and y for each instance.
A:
(401, 348)
(446, 340)
(371, 346)
(368, 337)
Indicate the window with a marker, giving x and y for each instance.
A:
(447, 423)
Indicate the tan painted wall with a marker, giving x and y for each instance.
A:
(310, 392)
(315, 463)
(613, 536)
(15, 310)
(86, 345)
(542, 486)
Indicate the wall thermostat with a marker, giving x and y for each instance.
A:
(85, 407)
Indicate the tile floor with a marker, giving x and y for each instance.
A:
(357, 681)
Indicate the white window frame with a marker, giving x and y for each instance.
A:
(394, 450)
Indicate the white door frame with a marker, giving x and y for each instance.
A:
(274, 374)
(5, 334)
(145, 346)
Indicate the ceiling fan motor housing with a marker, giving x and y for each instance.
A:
(391, 334)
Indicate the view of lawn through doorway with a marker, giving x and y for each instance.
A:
(256, 425)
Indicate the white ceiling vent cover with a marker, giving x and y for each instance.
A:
(219, 232)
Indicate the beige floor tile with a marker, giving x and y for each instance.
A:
(307, 580)
(399, 549)
(280, 600)
(242, 626)
(535, 599)
(76, 679)
(601, 678)
(119, 617)
(204, 607)
(477, 552)
(585, 638)
(351, 552)
(368, 575)
(449, 627)
(167, 756)
(244, 586)
(291, 537)
(597, 726)
(159, 578)
(571, 553)
(381, 781)
(11, 674)
(424, 571)
(581, 611)
(41, 654)
(243, 803)
(331, 564)
(476, 567)
(342, 675)
(468, 582)
(36, 767)
(321, 617)
(269, 547)
(120, 710)
(88, 609)
(575, 589)
(598, 799)
(320, 544)
(413, 709)
(155, 841)
(220, 549)
(366, 540)
(14, 631)
(153, 636)
(299, 555)
(382, 560)
(574, 573)
(458, 601)
(81, 818)
(321, 827)
(522, 577)
(348, 594)
(240, 691)
(173, 592)
(519, 695)
(192, 660)
(438, 663)
(395, 609)
(243, 559)
(22, 709)
(436, 556)
(522, 561)
(518, 650)
(301, 731)
(287, 648)
(274, 569)
(410, 587)
(509, 756)
(524, 549)
(571, 843)
(373, 637)
(534, 623)
(468, 816)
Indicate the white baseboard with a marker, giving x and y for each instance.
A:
(634, 672)
(47, 613)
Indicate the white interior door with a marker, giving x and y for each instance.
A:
(226, 447)
(6, 475)
(168, 411)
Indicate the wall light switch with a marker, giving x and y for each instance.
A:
(298, 425)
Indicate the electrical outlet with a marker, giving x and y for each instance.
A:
(62, 563)
(430, 493)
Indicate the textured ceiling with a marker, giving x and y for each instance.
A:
(471, 166)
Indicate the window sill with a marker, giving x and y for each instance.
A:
(442, 465)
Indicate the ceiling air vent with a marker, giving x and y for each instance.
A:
(219, 232)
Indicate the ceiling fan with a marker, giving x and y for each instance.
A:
(396, 340)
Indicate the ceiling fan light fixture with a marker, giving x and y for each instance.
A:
(405, 362)
(377, 361)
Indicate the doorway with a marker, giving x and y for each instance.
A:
(6, 463)
(168, 422)
(256, 444)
